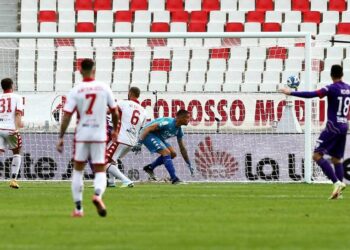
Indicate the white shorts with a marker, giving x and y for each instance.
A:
(95, 152)
(10, 140)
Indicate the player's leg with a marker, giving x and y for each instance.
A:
(113, 169)
(168, 155)
(14, 142)
(98, 159)
(153, 144)
(77, 185)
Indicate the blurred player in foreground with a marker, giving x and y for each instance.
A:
(333, 138)
(11, 111)
(90, 100)
(132, 117)
(154, 136)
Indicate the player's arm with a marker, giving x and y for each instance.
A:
(149, 129)
(305, 94)
(18, 120)
(184, 154)
(64, 125)
(115, 121)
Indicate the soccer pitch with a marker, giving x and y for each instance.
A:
(164, 216)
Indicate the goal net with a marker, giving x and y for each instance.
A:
(241, 128)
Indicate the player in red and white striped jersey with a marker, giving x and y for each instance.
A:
(11, 111)
(132, 118)
(90, 100)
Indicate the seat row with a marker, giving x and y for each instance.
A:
(188, 5)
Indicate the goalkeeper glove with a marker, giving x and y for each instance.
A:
(137, 148)
(191, 168)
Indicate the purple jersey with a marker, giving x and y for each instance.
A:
(338, 97)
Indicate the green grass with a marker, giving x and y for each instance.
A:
(162, 216)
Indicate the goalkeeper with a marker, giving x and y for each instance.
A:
(154, 136)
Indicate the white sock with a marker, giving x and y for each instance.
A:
(100, 183)
(77, 186)
(15, 165)
(114, 171)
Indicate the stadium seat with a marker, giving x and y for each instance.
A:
(83, 5)
(29, 5)
(64, 5)
(25, 80)
(272, 27)
(105, 17)
(271, 76)
(180, 16)
(195, 78)
(234, 27)
(199, 17)
(85, 27)
(161, 65)
(104, 76)
(122, 64)
(142, 16)
(177, 27)
(319, 5)
(312, 17)
(213, 85)
(223, 53)
(343, 28)
(217, 64)
(236, 17)
(196, 27)
(255, 65)
(47, 5)
(264, 5)
(345, 17)
(309, 27)
(296, 52)
(274, 64)
(193, 5)
(282, 5)
(335, 53)
(47, 16)
(160, 27)
(228, 5)
(121, 5)
(198, 64)
(325, 77)
(290, 27)
(301, 5)
(102, 5)
(292, 17)
(86, 16)
(28, 16)
(49, 27)
(252, 77)
(161, 16)
(337, 5)
(233, 79)
(175, 87)
(255, 16)
(236, 64)
(293, 64)
(158, 80)
(210, 5)
(268, 87)
(121, 81)
(121, 27)
(179, 65)
(177, 78)
(200, 53)
(138, 5)
(66, 17)
(142, 64)
(156, 5)
(181, 54)
(140, 77)
(273, 17)
(217, 17)
(257, 53)
(174, 5)
(277, 52)
(123, 16)
(44, 80)
(239, 52)
(327, 28)
(246, 5)
(330, 17)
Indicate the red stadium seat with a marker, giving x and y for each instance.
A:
(337, 5)
(123, 16)
(255, 16)
(197, 27)
(199, 17)
(85, 27)
(83, 5)
(264, 5)
(125, 53)
(160, 27)
(138, 5)
(272, 27)
(209, 5)
(234, 27)
(312, 17)
(301, 5)
(343, 28)
(160, 65)
(277, 52)
(220, 53)
(102, 5)
(174, 5)
(47, 16)
(179, 16)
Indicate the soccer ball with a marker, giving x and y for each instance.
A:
(293, 82)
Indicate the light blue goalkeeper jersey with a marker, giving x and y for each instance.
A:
(166, 128)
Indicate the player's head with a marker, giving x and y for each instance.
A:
(336, 72)
(134, 93)
(87, 68)
(183, 117)
(6, 84)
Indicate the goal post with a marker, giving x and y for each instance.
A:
(217, 122)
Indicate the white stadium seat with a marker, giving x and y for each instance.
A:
(161, 16)
(121, 5)
(228, 5)
(158, 80)
(65, 5)
(156, 5)
(283, 5)
(217, 16)
(193, 5)
(198, 64)
(236, 17)
(47, 4)
(45, 80)
(246, 5)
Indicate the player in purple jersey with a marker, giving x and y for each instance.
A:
(333, 138)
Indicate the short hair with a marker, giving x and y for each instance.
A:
(182, 112)
(6, 83)
(336, 71)
(87, 64)
(135, 91)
